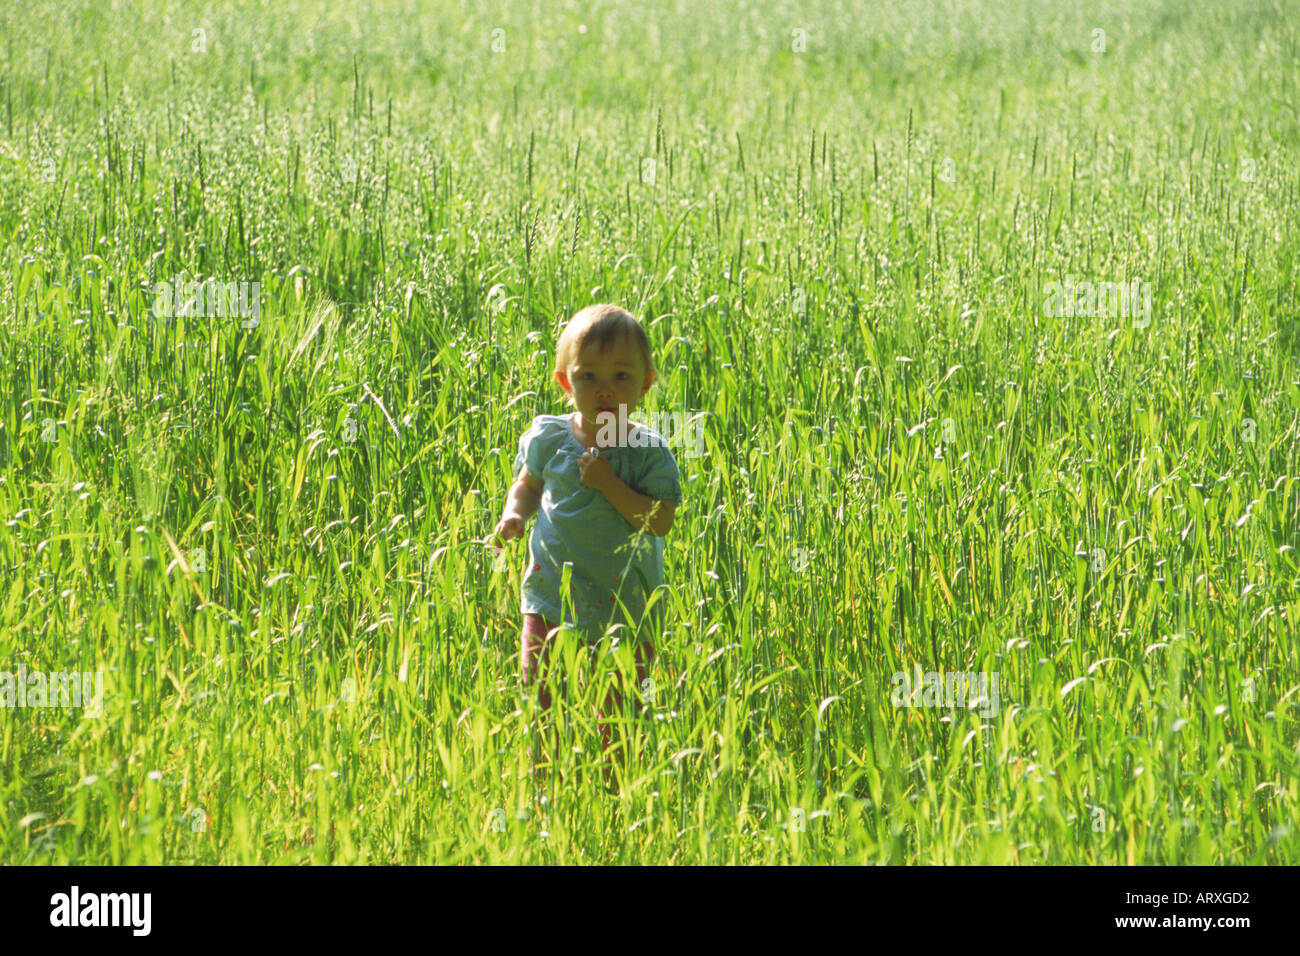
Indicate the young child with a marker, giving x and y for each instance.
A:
(595, 496)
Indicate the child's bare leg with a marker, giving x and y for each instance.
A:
(614, 705)
(538, 638)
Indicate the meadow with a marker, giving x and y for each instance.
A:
(858, 236)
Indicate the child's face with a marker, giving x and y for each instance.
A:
(602, 381)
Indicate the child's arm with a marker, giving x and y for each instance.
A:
(640, 511)
(524, 500)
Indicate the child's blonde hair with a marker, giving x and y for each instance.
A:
(601, 324)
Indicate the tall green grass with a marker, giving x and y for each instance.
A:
(269, 539)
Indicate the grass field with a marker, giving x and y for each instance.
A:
(852, 233)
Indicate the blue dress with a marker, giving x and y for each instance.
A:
(579, 532)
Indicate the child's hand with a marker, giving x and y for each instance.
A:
(510, 526)
(596, 471)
